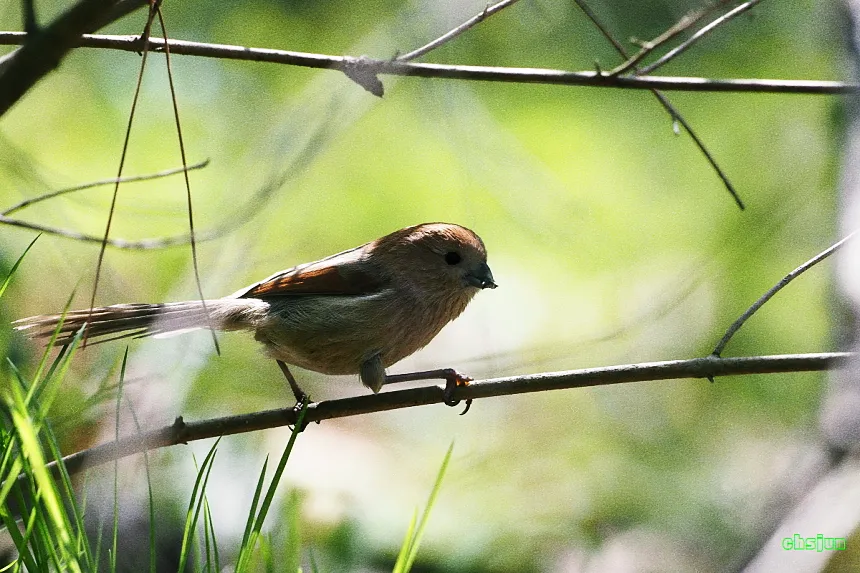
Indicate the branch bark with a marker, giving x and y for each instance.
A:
(181, 432)
(474, 73)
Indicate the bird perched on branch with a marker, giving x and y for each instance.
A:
(356, 312)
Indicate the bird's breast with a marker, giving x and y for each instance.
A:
(336, 334)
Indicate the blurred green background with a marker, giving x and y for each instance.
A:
(612, 241)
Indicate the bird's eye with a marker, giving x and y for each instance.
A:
(452, 258)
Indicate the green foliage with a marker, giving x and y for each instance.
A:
(256, 516)
(409, 549)
(50, 538)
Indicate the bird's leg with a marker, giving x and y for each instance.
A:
(301, 398)
(297, 392)
(452, 378)
(372, 373)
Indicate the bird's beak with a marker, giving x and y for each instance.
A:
(481, 277)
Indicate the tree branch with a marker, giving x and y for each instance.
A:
(737, 324)
(447, 37)
(181, 432)
(92, 184)
(676, 116)
(686, 22)
(673, 53)
(42, 51)
(142, 244)
(474, 73)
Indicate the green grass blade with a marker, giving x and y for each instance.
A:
(403, 555)
(50, 346)
(211, 528)
(99, 543)
(115, 529)
(65, 482)
(10, 466)
(252, 513)
(32, 450)
(78, 548)
(194, 505)
(415, 541)
(246, 550)
(152, 553)
(293, 559)
(19, 539)
(14, 268)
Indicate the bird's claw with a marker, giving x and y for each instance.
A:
(301, 402)
(454, 380)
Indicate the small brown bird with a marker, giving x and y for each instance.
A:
(356, 312)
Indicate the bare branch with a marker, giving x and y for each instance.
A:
(685, 23)
(697, 36)
(592, 15)
(111, 181)
(181, 432)
(458, 72)
(142, 244)
(42, 51)
(736, 325)
(473, 21)
(676, 116)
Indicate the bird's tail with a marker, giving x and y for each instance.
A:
(122, 320)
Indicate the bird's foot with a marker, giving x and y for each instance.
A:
(454, 380)
(302, 403)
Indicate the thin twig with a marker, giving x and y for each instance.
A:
(144, 40)
(459, 72)
(586, 9)
(101, 183)
(142, 244)
(688, 20)
(473, 21)
(721, 345)
(668, 56)
(181, 432)
(676, 116)
(192, 241)
(664, 101)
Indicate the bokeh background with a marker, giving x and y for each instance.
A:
(611, 238)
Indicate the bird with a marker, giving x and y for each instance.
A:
(355, 312)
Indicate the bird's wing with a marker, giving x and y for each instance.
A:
(340, 274)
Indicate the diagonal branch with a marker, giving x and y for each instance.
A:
(129, 179)
(676, 116)
(460, 72)
(42, 51)
(471, 22)
(142, 244)
(181, 432)
(737, 324)
(685, 23)
(668, 56)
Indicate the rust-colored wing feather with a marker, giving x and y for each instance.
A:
(340, 274)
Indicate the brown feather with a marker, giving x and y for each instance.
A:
(340, 274)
